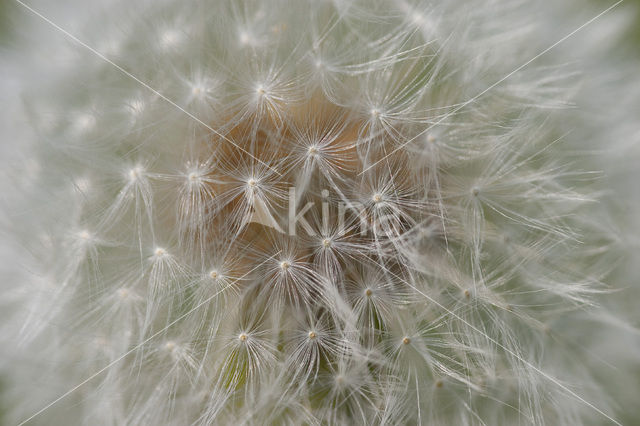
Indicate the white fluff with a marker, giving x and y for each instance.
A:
(316, 212)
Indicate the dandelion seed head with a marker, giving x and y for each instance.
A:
(313, 173)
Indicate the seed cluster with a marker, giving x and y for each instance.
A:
(310, 219)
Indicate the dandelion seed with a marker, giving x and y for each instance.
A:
(84, 122)
(170, 38)
(82, 185)
(123, 293)
(245, 38)
(136, 107)
(135, 173)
